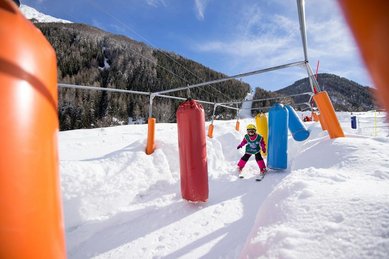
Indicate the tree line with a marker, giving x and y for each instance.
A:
(89, 56)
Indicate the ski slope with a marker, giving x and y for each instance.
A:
(332, 201)
(245, 111)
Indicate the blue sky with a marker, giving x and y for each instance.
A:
(229, 36)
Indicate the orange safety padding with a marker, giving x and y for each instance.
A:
(192, 151)
(237, 125)
(210, 131)
(150, 136)
(369, 23)
(322, 122)
(31, 217)
(327, 115)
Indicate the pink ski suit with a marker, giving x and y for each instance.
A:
(254, 145)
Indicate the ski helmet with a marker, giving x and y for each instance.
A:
(251, 127)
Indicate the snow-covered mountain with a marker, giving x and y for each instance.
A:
(32, 14)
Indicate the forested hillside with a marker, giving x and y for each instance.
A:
(345, 95)
(92, 57)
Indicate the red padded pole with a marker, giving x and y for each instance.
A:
(192, 151)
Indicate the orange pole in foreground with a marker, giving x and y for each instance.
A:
(150, 136)
(327, 116)
(369, 23)
(31, 220)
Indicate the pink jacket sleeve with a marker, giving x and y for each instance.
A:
(263, 145)
(244, 142)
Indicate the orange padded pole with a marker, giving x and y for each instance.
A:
(150, 136)
(210, 131)
(369, 23)
(31, 220)
(322, 122)
(327, 114)
(237, 125)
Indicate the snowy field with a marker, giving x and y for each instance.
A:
(331, 202)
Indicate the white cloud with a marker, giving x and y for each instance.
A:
(331, 42)
(260, 39)
(200, 6)
(264, 39)
(156, 3)
(265, 46)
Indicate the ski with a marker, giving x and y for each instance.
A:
(239, 171)
(259, 177)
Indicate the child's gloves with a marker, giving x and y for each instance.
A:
(238, 147)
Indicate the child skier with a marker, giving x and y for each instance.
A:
(254, 143)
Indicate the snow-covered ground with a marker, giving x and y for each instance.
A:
(331, 202)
